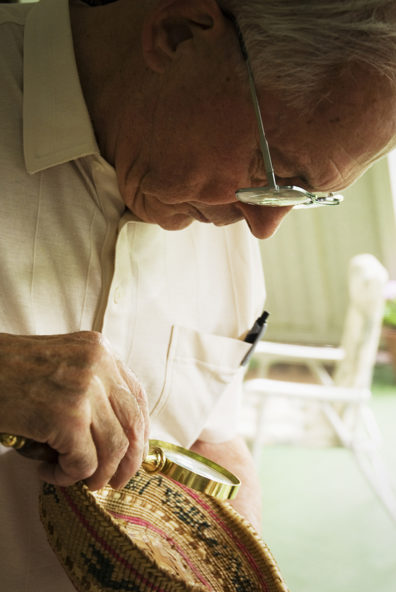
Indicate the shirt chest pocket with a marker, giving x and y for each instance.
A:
(203, 372)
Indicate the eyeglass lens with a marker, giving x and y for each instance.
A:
(285, 196)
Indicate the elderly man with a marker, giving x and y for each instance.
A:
(123, 122)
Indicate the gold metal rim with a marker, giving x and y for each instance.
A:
(158, 462)
(185, 476)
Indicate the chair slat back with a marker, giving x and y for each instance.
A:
(363, 322)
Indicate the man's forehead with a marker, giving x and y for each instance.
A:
(339, 139)
(360, 108)
(357, 91)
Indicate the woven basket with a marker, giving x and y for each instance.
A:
(154, 535)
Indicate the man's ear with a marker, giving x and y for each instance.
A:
(170, 23)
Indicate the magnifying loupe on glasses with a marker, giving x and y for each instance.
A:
(287, 195)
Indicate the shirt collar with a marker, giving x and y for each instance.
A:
(56, 124)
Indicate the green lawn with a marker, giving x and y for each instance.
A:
(323, 523)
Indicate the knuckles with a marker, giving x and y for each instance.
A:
(79, 469)
(78, 360)
(75, 375)
(117, 445)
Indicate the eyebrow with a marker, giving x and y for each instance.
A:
(306, 182)
(304, 178)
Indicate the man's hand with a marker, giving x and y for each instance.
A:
(71, 392)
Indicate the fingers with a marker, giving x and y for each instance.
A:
(121, 453)
(78, 462)
(70, 392)
(70, 468)
(110, 452)
(140, 395)
(135, 428)
(111, 442)
(129, 403)
(119, 430)
(128, 467)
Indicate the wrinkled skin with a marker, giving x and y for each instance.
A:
(70, 392)
(185, 138)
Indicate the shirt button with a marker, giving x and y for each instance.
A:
(117, 295)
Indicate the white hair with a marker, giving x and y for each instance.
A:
(296, 46)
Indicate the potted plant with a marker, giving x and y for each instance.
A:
(389, 321)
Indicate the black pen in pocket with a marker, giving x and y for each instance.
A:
(254, 335)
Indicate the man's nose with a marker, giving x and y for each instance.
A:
(263, 220)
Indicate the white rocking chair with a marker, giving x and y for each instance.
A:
(343, 394)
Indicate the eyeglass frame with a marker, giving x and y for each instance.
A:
(311, 199)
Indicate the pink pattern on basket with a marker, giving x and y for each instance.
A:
(141, 522)
(104, 543)
(213, 514)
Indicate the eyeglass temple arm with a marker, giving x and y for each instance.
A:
(269, 169)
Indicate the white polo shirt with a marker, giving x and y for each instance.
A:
(174, 305)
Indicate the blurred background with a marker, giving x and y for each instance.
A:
(322, 519)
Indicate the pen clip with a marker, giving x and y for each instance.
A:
(254, 336)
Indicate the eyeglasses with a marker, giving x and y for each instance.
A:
(274, 194)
